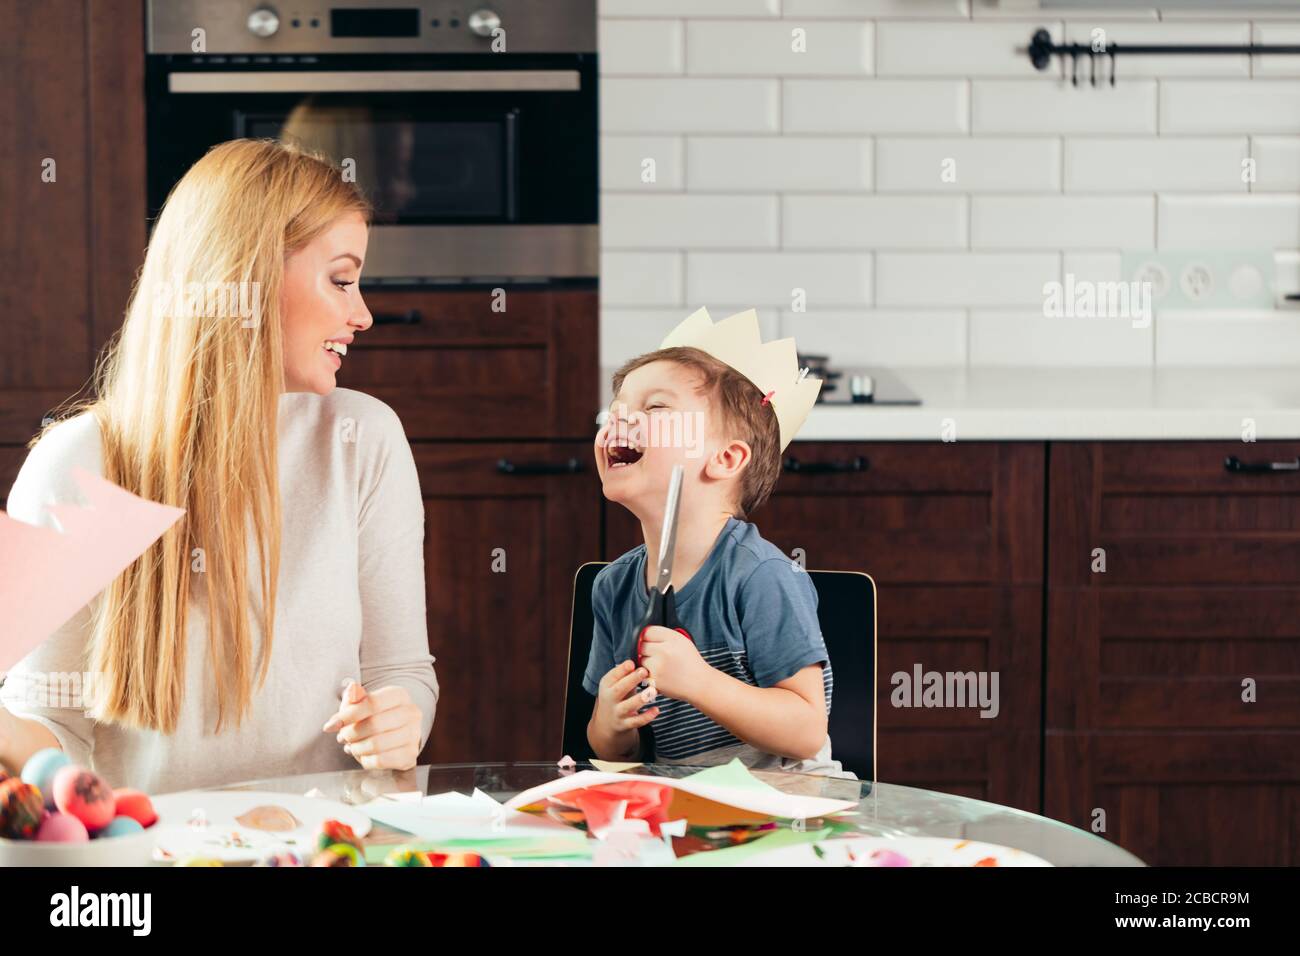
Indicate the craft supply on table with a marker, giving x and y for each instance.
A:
(206, 823)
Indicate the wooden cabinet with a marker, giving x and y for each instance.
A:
(482, 363)
(952, 535)
(506, 526)
(73, 199)
(1148, 660)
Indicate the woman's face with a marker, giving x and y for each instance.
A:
(322, 303)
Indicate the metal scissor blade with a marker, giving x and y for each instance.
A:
(668, 538)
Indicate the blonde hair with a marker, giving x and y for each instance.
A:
(187, 400)
(741, 413)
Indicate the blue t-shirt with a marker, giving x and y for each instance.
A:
(752, 612)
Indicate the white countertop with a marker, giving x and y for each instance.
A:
(1022, 404)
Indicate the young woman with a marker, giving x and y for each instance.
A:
(225, 652)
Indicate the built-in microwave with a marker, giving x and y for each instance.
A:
(473, 131)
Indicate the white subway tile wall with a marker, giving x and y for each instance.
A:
(894, 184)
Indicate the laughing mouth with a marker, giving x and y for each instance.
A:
(621, 455)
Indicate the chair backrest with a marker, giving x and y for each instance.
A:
(846, 611)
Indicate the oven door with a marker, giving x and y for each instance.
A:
(454, 152)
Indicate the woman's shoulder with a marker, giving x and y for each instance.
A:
(47, 474)
(346, 409)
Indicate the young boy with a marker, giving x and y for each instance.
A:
(753, 679)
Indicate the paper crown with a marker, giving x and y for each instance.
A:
(772, 367)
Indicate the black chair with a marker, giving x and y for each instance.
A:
(846, 610)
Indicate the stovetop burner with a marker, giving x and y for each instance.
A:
(857, 386)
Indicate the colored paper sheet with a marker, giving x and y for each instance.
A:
(573, 847)
(47, 576)
(734, 790)
(732, 774)
(453, 816)
(612, 766)
(733, 855)
(609, 803)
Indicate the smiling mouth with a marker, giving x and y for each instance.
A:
(620, 456)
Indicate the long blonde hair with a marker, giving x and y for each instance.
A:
(187, 403)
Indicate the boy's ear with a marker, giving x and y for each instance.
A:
(728, 460)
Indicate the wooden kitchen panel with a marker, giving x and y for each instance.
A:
(953, 536)
(1171, 514)
(45, 195)
(1148, 662)
(1173, 659)
(501, 637)
(465, 371)
(1205, 799)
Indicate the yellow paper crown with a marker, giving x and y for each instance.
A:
(772, 367)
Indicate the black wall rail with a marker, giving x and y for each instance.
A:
(1042, 48)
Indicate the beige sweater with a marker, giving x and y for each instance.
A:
(350, 604)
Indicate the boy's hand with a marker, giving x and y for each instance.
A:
(617, 702)
(674, 663)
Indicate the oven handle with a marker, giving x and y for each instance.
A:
(375, 81)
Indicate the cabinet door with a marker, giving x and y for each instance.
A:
(72, 199)
(482, 363)
(1153, 661)
(506, 527)
(952, 535)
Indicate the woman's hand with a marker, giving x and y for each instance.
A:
(381, 730)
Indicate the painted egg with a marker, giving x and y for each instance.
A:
(21, 807)
(136, 805)
(85, 795)
(62, 828)
(340, 854)
(334, 831)
(119, 826)
(40, 769)
(281, 858)
(405, 856)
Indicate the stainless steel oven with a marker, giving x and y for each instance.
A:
(473, 130)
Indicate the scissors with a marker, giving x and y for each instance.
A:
(662, 609)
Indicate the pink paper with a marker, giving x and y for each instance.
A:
(47, 576)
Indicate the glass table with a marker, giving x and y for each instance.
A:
(884, 810)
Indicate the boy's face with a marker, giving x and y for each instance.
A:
(657, 420)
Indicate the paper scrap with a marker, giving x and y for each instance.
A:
(47, 576)
(612, 766)
(733, 855)
(734, 790)
(452, 815)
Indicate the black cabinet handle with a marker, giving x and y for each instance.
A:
(507, 467)
(793, 464)
(1233, 463)
(409, 317)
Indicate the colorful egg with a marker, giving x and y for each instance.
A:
(281, 858)
(340, 854)
(405, 856)
(119, 826)
(85, 795)
(40, 769)
(199, 861)
(21, 808)
(332, 832)
(136, 805)
(61, 828)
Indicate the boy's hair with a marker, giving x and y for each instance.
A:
(742, 415)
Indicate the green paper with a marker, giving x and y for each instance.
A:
(529, 848)
(734, 774)
(733, 855)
